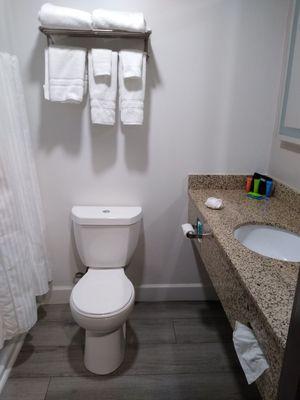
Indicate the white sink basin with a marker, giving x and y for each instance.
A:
(270, 241)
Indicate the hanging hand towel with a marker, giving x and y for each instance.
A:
(56, 17)
(101, 62)
(132, 61)
(103, 92)
(127, 21)
(131, 92)
(64, 74)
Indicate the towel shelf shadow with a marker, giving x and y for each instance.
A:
(98, 33)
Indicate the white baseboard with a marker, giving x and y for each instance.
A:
(150, 292)
(8, 355)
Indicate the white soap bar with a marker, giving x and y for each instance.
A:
(214, 203)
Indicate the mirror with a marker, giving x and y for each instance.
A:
(290, 115)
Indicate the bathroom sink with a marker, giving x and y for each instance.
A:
(270, 241)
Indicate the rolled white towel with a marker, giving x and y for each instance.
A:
(57, 17)
(214, 203)
(122, 20)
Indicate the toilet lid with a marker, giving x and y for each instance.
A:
(104, 291)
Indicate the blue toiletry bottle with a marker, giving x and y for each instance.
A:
(199, 227)
(269, 185)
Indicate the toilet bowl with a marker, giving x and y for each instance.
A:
(103, 299)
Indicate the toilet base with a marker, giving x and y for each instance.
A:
(104, 353)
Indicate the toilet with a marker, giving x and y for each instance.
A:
(102, 300)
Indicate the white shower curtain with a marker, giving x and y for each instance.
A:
(24, 267)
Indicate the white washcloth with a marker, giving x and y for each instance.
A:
(101, 62)
(103, 92)
(56, 17)
(65, 74)
(249, 352)
(132, 61)
(132, 93)
(122, 20)
(214, 203)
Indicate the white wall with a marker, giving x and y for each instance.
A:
(211, 100)
(5, 40)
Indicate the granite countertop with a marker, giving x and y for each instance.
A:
(270, 282)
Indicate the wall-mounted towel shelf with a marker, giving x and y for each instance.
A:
(98, 33)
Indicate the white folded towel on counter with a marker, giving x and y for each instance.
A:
(101, 59)
(214, 203)
(131, 93)
(122, 20)
(132, 61)
(57, 17)
(65, 74)
(249, 353)
(103, 92)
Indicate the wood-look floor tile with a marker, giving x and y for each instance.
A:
(25, 389)
(198, 330)
(200, 365)
(176, 309)
(54, 334)
(149, 387)
(143, 331)
(179, 358)
(55, 312)
(139, 360)
(49, 361)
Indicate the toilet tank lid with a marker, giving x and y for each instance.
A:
(102, 215)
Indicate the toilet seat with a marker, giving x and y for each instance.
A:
(102, 293)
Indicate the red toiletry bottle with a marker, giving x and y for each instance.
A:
(248, 183)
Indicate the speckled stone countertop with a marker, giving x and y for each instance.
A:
(270, 282)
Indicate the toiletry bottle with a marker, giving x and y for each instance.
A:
(256, 185)
(199, 227)
(248, 183)
(269, 185)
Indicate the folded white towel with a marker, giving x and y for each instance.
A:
(127, 21)
(132, 61)
(103, 92)
(132, 93)
(65, 74)
(214, 203)
(249, 352)
(52, 16)
(101, 62)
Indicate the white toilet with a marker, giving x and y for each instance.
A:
(102, 300)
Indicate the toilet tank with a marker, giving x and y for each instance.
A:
(106, 237)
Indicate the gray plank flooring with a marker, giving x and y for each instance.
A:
(175, 350)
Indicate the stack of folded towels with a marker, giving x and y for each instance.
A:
(56, 17)
(66, 74)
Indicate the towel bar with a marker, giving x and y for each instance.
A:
(98, 33)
